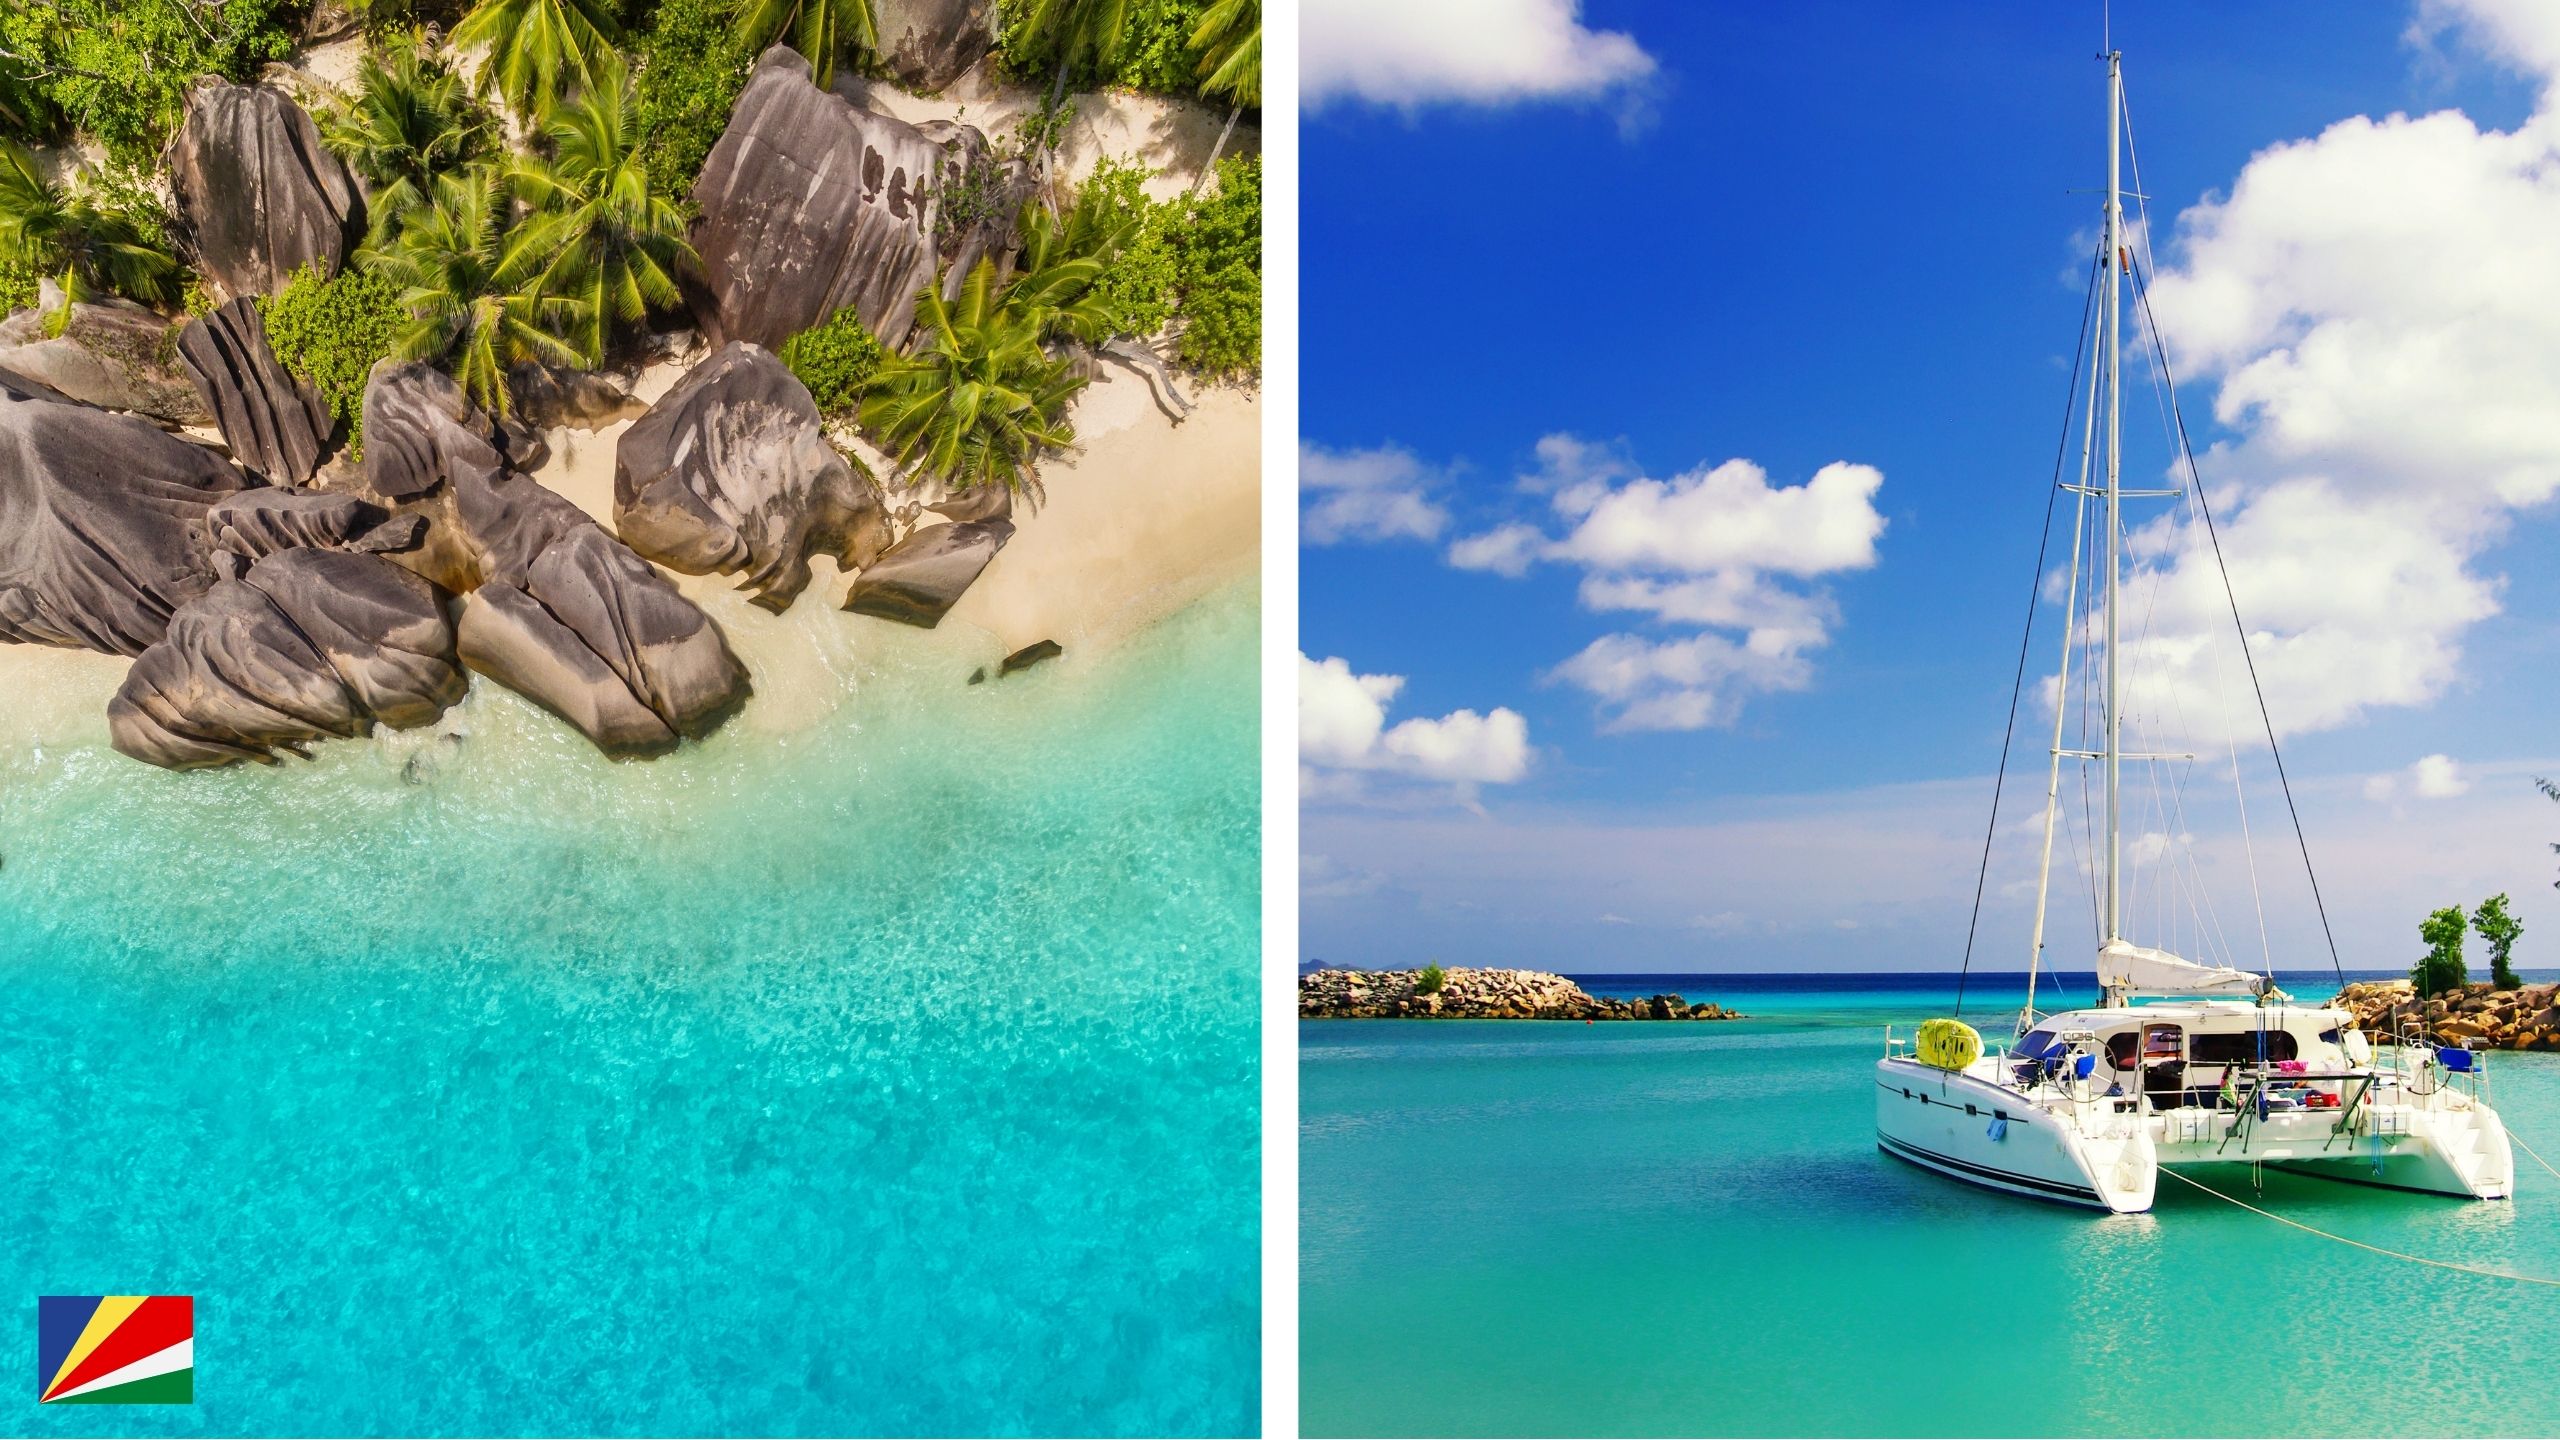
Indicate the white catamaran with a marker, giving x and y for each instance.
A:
(2180, 1064)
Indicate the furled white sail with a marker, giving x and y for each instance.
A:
(2140, 970)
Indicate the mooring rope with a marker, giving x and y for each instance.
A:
(2537, 1159)
(2363, 1245)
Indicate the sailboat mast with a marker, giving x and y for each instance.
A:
(2115, 458)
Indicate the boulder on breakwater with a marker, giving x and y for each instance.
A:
(2482, 1017)
(1479, 995)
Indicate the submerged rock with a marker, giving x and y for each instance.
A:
(811, 204)
(111, 353)
(731, 472)
(923, 576)
(102, 516)
(256, 194)
(306, 645)
(1030, 655)
(275, 424)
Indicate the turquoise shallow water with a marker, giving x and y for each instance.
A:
(895, 1075)
(1518, 1228)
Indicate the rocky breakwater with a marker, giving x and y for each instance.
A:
(1479, 995)
(2481, 1017)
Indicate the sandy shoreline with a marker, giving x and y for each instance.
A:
(1142, 519)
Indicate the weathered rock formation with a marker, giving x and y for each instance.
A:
(253, 524)
(811, 204)
(2482, 1017)
(557, 610)
(303, 646)
(927, 44)
(547, 396)
(102, 532)
(256, 194)
(1479, 995)
(919, 579)
(111, 353)
(276, 425)
(732, 472)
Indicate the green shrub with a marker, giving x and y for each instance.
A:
(1430, 980)
(119, 69)
(1155, 50)
(693, 63)
(835, 360)
(1218, 274)
(330, 333)
(1138, 282)
(19, 277)
(2442, 969)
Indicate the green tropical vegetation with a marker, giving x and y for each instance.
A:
(615, 243)
(538, 49)
(980, 399)
(118, 70)
(410, 123)
(694, 60)
(331, 331)
(1218, 274)
(89, 243)
(536, 207)
(472, 289)
(2441, 969)
(824, 31)
(2499, 929)
(836, 360)
(1431, 980)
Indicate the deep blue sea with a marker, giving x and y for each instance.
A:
(1527, 1228)
(895, 1074)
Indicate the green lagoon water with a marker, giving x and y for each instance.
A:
(892, 1072)
(1514, 1228)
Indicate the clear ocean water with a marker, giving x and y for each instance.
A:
(1524, 1228)
(896, 1074)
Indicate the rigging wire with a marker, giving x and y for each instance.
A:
(2018, 684)
(2204, 507)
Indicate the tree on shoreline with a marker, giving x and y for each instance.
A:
(2499, 929)
(821, 30)
(2442, 968)
(86, 247)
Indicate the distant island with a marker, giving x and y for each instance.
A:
(1432, 993)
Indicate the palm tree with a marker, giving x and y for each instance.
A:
(474, 296)
(89, 248)
(1088, 32)
(818, 29)
(1059, 283)
(980, 400)
(614, 246)
(1228, 41)
(409, 123)
(537, 48)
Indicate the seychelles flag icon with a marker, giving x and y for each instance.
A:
(115, 1349)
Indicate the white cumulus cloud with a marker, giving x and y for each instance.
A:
(1367, 495)
(1342, 728)
(2378, 314)
(1410, 53)
(2433, 777)
(1718, 557)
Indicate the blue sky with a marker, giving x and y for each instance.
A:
(1847, 234)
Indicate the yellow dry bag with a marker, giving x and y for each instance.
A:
(1948, 1044)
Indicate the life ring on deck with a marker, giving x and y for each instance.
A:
(1947, 1044)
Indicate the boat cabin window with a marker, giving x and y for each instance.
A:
(2241, 1048)
(2035, 1045)
(2158, 1042)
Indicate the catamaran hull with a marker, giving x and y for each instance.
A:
(1970, 1130)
